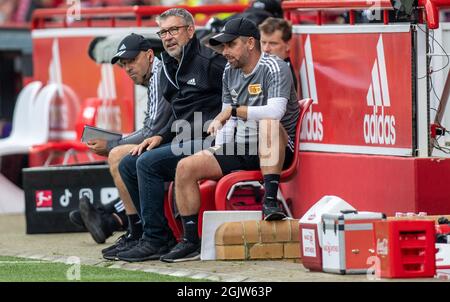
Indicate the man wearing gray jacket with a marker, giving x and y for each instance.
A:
(135, 56)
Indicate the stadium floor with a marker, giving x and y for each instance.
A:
(59, 247)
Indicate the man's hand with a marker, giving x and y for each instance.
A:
(98, 146)
(215, 126)
(147, 144)
(219, 121)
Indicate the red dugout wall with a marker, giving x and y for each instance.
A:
(364, 134)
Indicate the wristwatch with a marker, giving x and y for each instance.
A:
(234, 108)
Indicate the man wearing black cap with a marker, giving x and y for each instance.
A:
(135, 56)
(191, 81)
(257, 93)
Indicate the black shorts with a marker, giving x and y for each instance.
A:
(244, 158)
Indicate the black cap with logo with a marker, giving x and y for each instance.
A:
(130, 47)
(235, 28)
(271, 6)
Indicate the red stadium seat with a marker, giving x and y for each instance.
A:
(69, 148)
(226, 183)
(214, 194)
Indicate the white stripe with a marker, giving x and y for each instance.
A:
(119, 206)
(383, 73)
(156, 98)
(355, 149)
(310, 70)
(275, 77)
(376, 85)
(360, 28)
(120, 53)
(266, 64)
(167, 75)
(370, 96)
(304, 80)
(276, 74)
(291, 144)
(150, 102)
(276, 70)
(271, 60)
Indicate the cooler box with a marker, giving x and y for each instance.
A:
(347, 241)
(406, 249)
(443, 256)
(311, 230)
(443, 261)
(51, 193)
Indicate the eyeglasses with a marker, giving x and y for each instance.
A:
(172, 31)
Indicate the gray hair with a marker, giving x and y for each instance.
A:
(177, 12)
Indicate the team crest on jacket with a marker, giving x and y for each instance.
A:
(254, 89)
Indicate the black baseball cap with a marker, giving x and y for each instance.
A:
(130, 47)
(235, 28)
(271, 6)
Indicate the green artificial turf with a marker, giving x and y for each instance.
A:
(13, 269)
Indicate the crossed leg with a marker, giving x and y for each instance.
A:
(114, 158)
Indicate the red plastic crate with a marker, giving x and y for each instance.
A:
(406, 248)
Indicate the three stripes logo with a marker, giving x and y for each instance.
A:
(312, 128)
(379, 128)
(191, 82)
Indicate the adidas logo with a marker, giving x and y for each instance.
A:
(379, 128)
(120, 53)
(122, 47)
(234, 95)
(191, 82)
(312, 127)
(308, 80)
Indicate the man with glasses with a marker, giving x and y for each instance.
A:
(191, 81)
(135, 56)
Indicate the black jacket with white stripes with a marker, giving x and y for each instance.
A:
(194, 85)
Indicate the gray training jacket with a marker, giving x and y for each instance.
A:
(156, 116)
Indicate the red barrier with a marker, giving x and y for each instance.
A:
(334, 4)
(136, 13)
(430, 7)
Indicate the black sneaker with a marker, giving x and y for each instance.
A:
(183, 251)
(97, 222)
(143, 251)
(122, 244)
(75, 218)
(272, 210)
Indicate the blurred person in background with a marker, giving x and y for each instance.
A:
(276, 35)
(7, 8)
